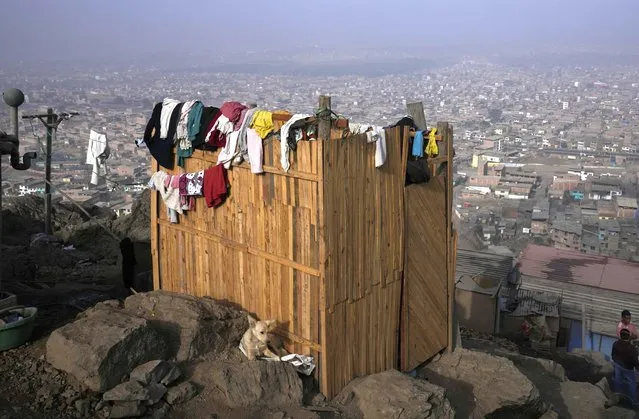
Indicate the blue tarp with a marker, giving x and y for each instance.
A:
(594, 341)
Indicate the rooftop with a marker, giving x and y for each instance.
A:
(567, 226)
(574, 267)
(627, 202)
(481, 272)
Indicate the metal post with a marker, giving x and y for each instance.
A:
(47, 174)
(583, 326)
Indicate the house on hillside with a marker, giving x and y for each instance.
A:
(626, 207)
(478, 280)
(596, 288)
(566, 235)
(609, 231)
(606, 210)
(535, 315)
(589, 214)
(539, 219)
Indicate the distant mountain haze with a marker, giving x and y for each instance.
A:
(203, 32)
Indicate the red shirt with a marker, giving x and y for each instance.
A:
(215, 185)
(216, 139)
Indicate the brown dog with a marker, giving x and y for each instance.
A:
(259, 341)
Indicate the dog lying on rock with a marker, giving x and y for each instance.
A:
(260, 341)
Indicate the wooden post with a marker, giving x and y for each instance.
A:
(324, 128)
(155, 237)
(416, 111)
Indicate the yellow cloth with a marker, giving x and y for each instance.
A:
(431, 149)
(262, 123)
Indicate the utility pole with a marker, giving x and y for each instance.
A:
(47, 175)
(53, 120)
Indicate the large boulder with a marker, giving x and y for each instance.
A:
(194, 325)
(394, 395)
(581, 400)
(480, 385)
(582, 365)
(542, 366)
(101, 348)
(251, 384)
(618, 412)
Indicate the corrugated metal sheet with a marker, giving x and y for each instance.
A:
(473, 263)
(603, 308)
(535, 302)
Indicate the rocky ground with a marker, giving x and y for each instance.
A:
(572, 385)
(99, 353)
(62, 276)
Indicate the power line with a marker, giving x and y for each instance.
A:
(52, 122)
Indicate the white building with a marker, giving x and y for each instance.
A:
(29, 190)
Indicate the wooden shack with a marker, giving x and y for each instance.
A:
(356, 266)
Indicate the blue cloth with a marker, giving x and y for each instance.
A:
(624, 382)
(193, 121)
(418, 144)
(192, 130)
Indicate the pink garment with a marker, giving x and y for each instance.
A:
(233, 111)
(631, 328)
(255, 150)
(175, 182)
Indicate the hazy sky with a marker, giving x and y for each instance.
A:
(75, 29)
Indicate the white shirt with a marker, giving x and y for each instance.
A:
(168, 105)
(97, 153)
(286, 165)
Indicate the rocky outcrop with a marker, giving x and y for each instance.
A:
(394, 395)
(135, 391)
(618, 412)
(151, 372)
(24, 216)
(146, 392)
(181, 393)
(101, 348)
(542, 366)
(194, 325)
(137, 225)
(482, 385)
(588, 366)
(251, 384)
(582, 400)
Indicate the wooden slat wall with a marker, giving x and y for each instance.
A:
(320, 248)
(363, 209)
(260, 249)
(425, 294)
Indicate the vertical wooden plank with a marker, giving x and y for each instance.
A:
(324, 132)
(416, 111)
(155, 253)
(402, 174)
(447, 135)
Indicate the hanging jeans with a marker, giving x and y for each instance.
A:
(624, 382)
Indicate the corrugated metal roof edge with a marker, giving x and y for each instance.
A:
(597, 308)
